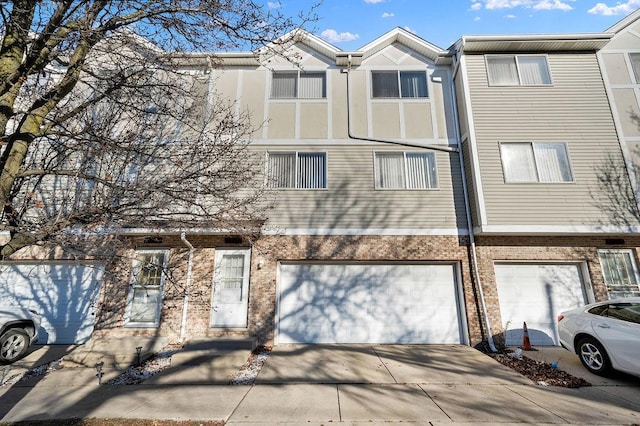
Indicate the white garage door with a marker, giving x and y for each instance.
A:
(368, 303)
(64, 295)
(536, 294)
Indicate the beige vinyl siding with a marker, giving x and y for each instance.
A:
(385, 117)
(338, 96)
(627, 40)
(573, 110)
(417, 118)
(442, 103)
(327, 118)
(253, 95)
(471, 184)
(358, 94)
(617, 69)
(226, 83)
(462, 107)
(198, 90)
(351, 202)
(313, 120)
(282, 119)
(626, 102)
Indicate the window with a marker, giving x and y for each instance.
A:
(624, 311)
(301, 85)
(620, 273)
(535, 162)
(405, 170)
(145, 296)
(304, 170)
(399, 84)
(518, 70)
(635, 64)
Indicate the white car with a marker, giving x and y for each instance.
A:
(18, 330)
(605, 335)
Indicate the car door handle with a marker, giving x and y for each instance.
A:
(604, 326)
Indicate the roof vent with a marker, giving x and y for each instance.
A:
(614, 241)
(234, 239)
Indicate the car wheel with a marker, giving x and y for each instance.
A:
(13, 345)
(593, 356)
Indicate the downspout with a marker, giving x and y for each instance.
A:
(467, 209)
(474, 258)
(394, 142)
(185, 305)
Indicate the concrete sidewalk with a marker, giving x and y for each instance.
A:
(315, 385)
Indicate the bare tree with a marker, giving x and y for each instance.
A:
(104, 126)
(615, 195)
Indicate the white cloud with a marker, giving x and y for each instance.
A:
(388, 15)
(618, 9)
(373, 1)
(409, 29)
(477, 18)
(552, 5)
(510, 16)
(525, 4)
(274, 4)
(334, 37)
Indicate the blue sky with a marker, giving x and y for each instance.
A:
(350, 24)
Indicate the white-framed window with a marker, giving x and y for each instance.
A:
(298, 85)
(405, 170)
(399, 84)
(302, 170)
(518, 70)
(620, 273)
(144, 304)
(635, 65)
(535, 162)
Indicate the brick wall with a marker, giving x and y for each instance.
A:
(266, 253)
(269, 250)
(541, 249)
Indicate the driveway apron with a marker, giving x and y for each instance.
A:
(383, 364)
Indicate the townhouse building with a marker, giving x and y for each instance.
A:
(421, 195)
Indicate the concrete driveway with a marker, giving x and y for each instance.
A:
(384, 364)
(570, 363)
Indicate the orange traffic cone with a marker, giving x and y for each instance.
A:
(526, 344)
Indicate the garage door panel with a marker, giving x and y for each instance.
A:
(372, 303)
(536, 294)
(64, 295)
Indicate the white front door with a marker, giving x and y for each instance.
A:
(230, 288)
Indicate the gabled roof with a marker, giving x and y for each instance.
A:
(405, 38)
(341, 57)
(624, 22)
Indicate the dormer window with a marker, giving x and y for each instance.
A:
(399, 84)
(298, 85)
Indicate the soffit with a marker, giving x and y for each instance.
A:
(533, 43)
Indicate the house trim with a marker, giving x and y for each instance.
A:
(471, 144)
(374, 232)
(579, 230)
